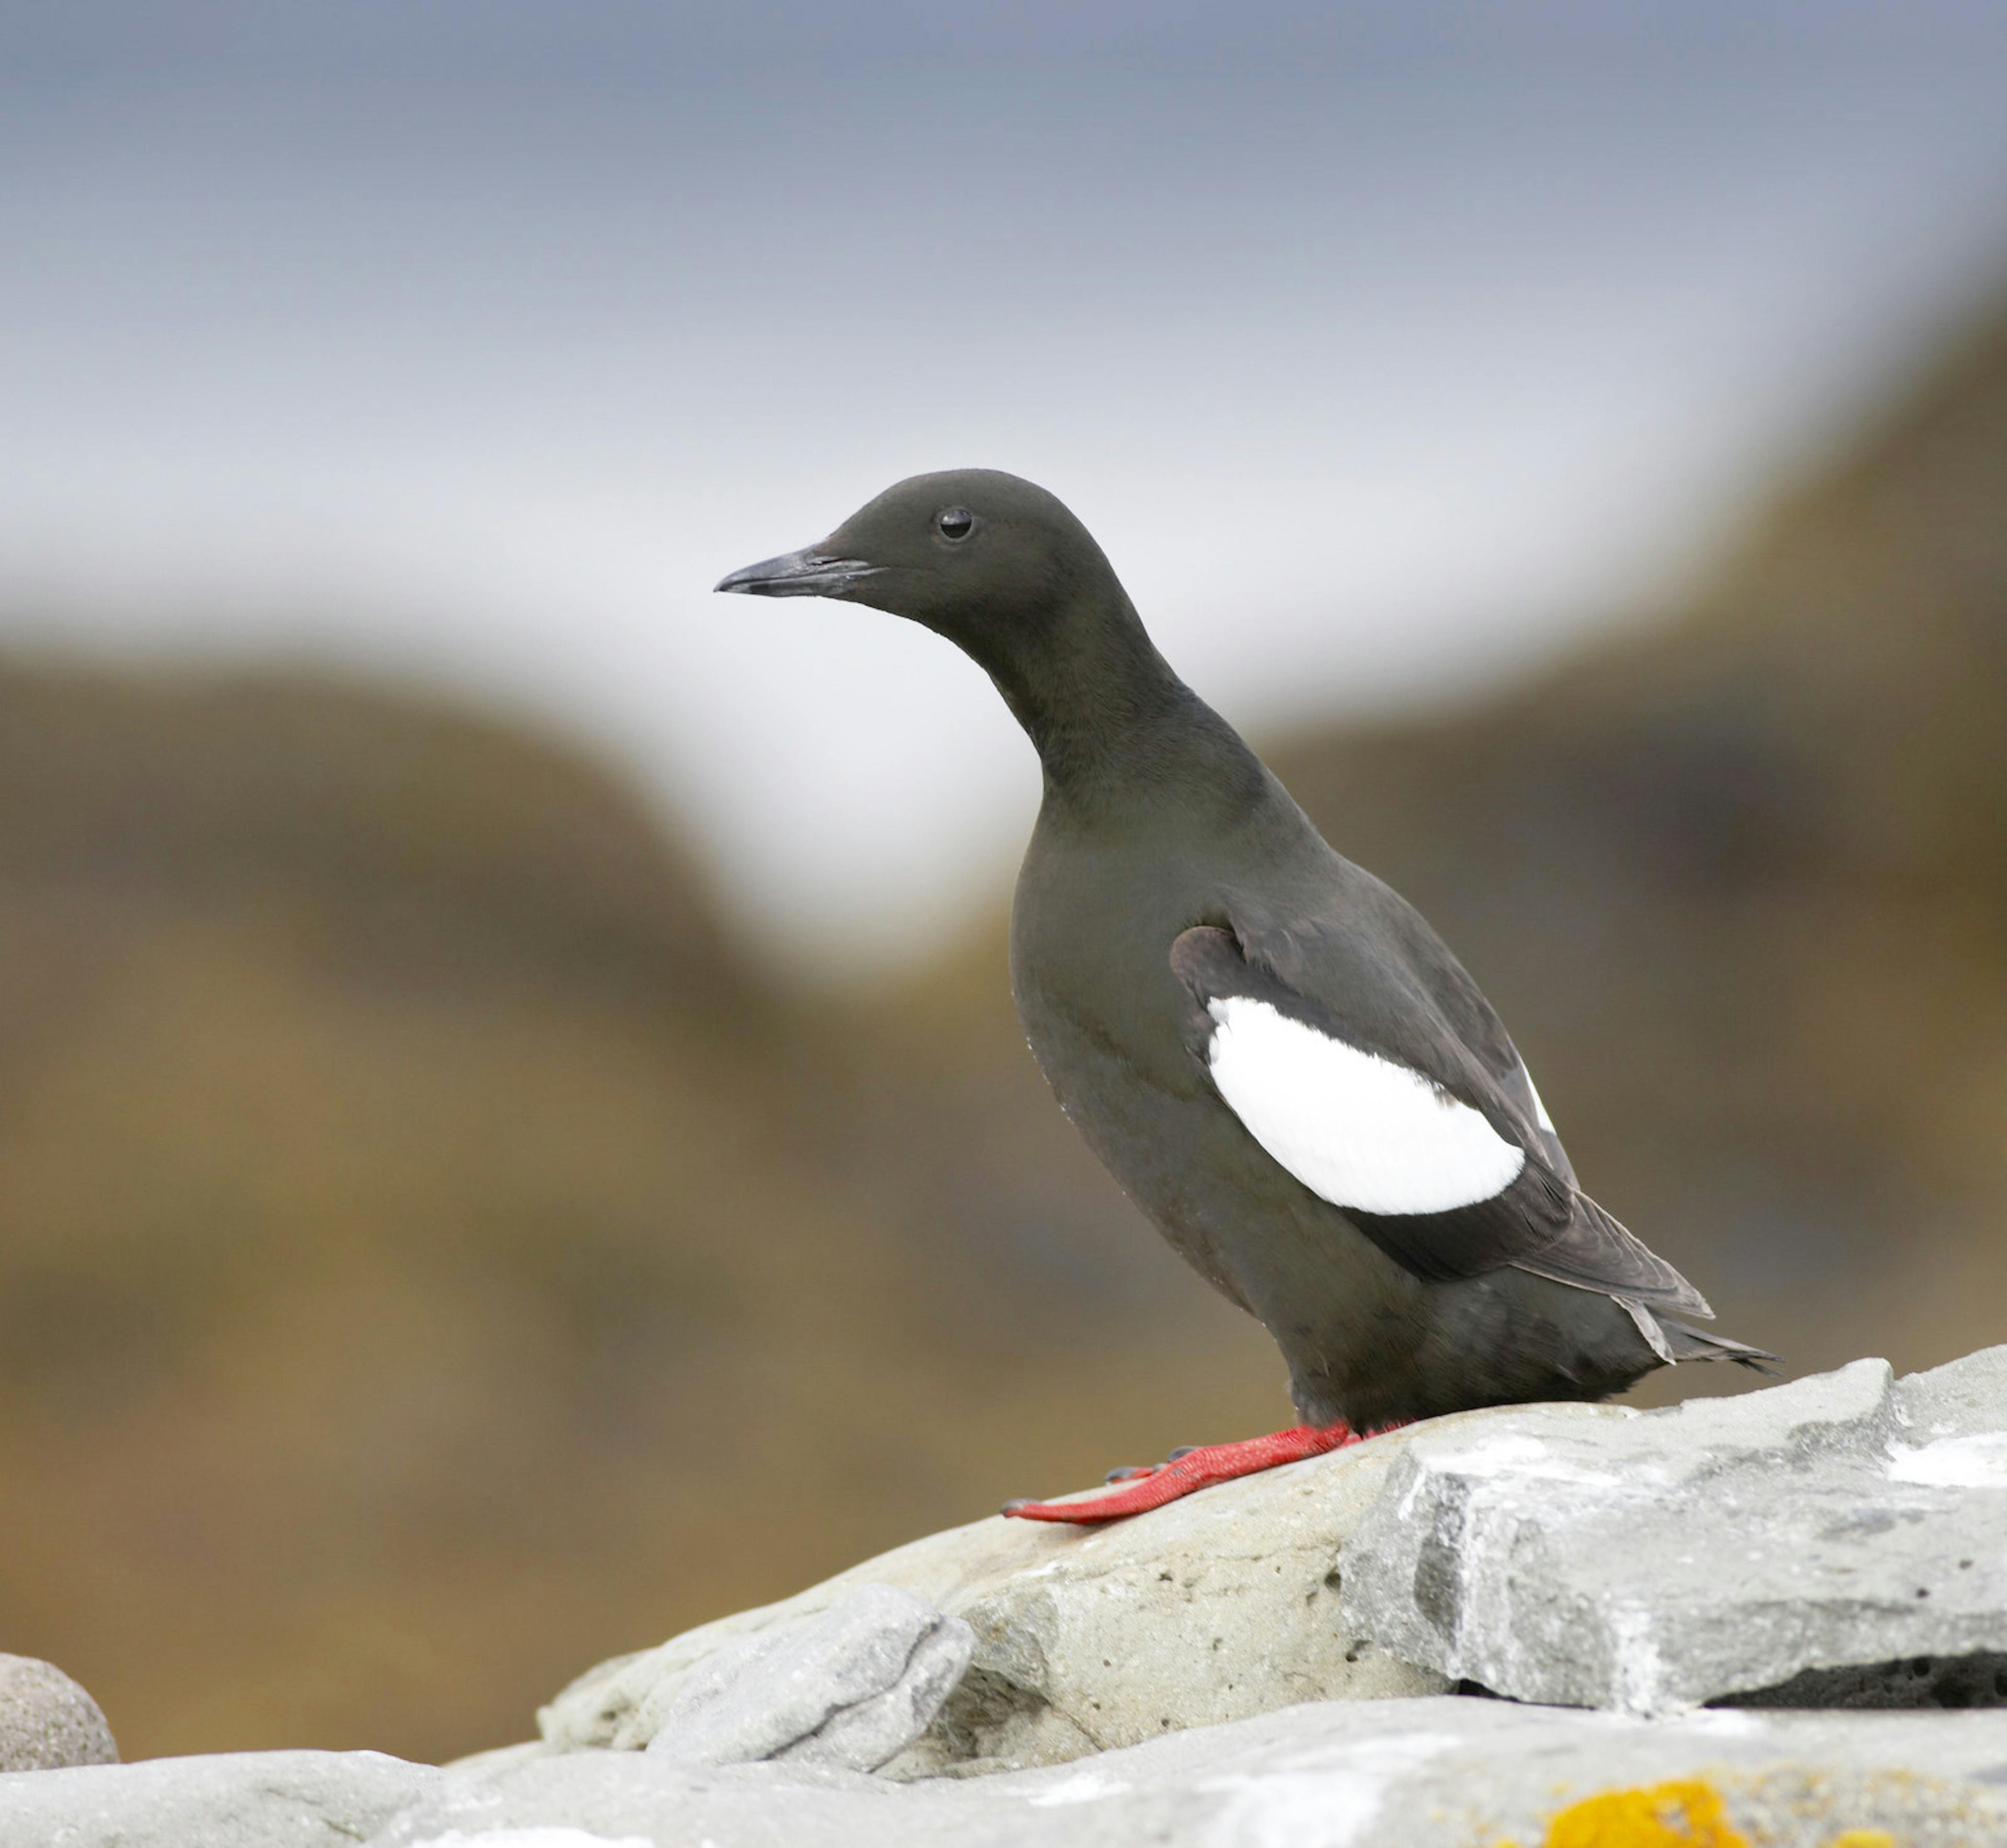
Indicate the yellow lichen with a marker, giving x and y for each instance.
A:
(1687, 1814)
(1863, 1837)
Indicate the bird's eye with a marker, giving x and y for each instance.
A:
(955, 522)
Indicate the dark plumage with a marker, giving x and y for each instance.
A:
(1206, 985)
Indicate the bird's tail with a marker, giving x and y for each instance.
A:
(1594, 1252)
(1691, 1344)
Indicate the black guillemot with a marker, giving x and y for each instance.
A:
(1280, 1061)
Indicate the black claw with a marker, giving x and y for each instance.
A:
(1011, 1507)
(1183, 1449)
(1129, 1473)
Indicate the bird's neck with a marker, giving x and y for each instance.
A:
(1118, 734)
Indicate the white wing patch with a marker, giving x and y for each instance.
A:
(1356, 1129)
(1540, 1109)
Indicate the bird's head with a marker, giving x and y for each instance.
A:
(983, 558)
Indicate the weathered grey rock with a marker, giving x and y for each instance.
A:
(1438, 1773)
(1213, 1609)
(1841, 1537)
(849, 1686)
(46, 1720)
(1428, 1773)
(239, 1800)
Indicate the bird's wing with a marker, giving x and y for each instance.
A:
(1430, 1138)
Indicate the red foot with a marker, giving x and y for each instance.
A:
(1198, 1468)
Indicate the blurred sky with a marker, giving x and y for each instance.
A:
(1385, 347)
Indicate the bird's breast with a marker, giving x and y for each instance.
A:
(1090, 932)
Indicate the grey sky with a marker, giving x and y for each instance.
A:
(1383, 347)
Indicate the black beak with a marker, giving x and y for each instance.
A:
(805, 573)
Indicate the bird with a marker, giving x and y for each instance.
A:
(1278, 1059)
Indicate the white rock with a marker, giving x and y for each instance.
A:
(1214, 1608)
(1839, 1540)
(543, 1835)
(851, 1686)
(238, 1800)
(1428, 1773)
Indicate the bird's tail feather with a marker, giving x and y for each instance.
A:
(1691, 1344)
(1595, 1252)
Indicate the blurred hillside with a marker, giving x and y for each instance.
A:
(435, 1257)
(432, 1259)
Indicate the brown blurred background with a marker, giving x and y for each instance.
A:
(513, 1138)
(437, 1254)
